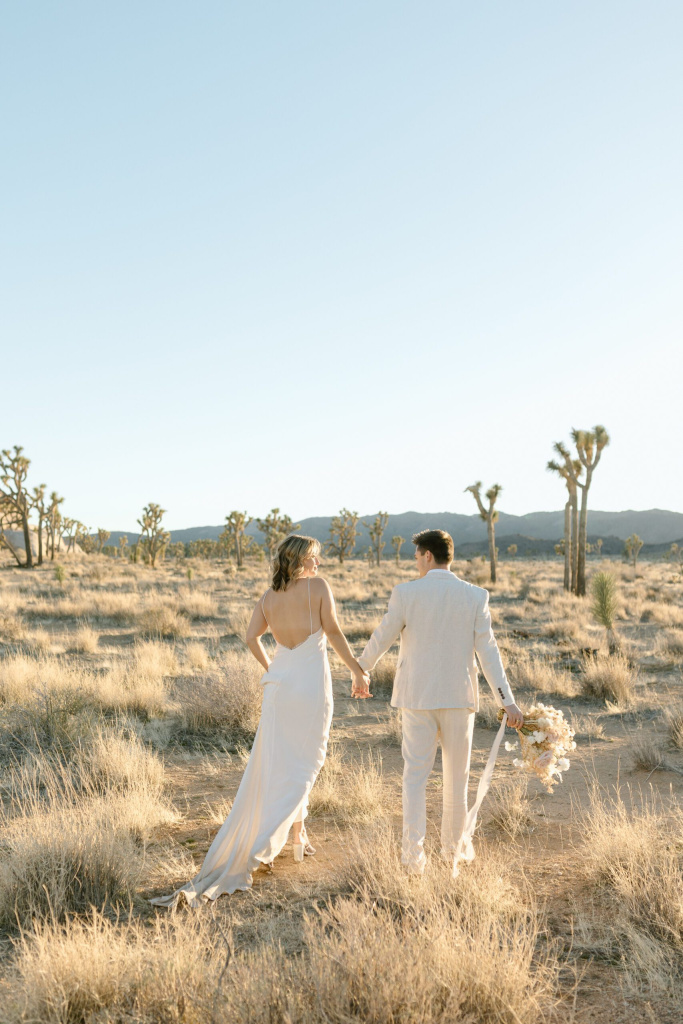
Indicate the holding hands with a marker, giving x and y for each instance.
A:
(360, 683)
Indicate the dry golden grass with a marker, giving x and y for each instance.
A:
(349, 792)
(609, 678)
(71, 830)
(670, 641)
(86, 814)
(633, 852)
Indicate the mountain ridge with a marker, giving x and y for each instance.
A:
(654, 526)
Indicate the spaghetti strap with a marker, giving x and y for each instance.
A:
(310, 613)
(263, 608)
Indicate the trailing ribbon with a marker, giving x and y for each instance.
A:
(482, 790)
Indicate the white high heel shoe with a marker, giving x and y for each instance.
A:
(303, 848)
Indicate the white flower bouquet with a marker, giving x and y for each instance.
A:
(545, 739)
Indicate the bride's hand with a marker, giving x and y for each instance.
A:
(360, 687)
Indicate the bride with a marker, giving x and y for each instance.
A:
(291, 740)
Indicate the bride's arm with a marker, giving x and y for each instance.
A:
(257, 627)
(328, 617)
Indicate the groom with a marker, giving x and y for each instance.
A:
(442, 621)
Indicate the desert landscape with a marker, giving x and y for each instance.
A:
(128, 702)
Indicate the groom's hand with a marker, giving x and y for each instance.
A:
(360, 687)
(515, 716)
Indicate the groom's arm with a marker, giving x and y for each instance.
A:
(386, 633)
(489, 656)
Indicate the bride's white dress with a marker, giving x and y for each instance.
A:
(288, 752)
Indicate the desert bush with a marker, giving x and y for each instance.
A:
(161, 621)
(227, 698)
(382, 681)
(633, 853)
(196, 604)
(349, 792)
(609, 678)
(239, 617)
(395, 726)
(508, 808)
(487, 715)
(85, 641)
(587, 727)
(674, 722)
(540, 675)
(670, 641)
(70, 829)
(12, 628)
(195, 657)
(107, 970)
(661, 613)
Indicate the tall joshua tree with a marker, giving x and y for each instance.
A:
(123, 541)
(589, 446)
(13, 494)
(397, 543)
(102, 538)
(570, 470)
(275, 527)
(235, 525)
(376, 531)
(153, 537)
(53, 522)
(38, 503)
(490, 516)
(343, 532)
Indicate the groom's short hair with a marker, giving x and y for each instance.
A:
(438, 542)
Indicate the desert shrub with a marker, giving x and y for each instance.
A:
(195, 657)
(85, 641)
(160, 621)
(609, 678)
(12, 629)
(196, 604)
(487, 715)
(227, 698)
(670, 641)
(540, 675)
(674, 723)
(349, 792)
(587, 727)
(661, 613)
(395, 726)
(239, 617)
(633, 854)
(508, 808)
(70, 829)
(382, 676)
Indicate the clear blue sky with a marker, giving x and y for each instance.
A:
(342, 253)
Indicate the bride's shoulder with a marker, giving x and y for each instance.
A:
(319, 585)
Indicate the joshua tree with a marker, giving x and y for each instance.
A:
(152, 537)
(598, 545)
(235, 525)
(343, 531)
(376, 531)
(102, 537)
(85, 538)
(604, 607)
(9, 520)
(123, 541)
(38, 503)
(589, 445)
(68, 527)
(490, 516)
(13, 471)
(397, 543)
(370, 555)
(570, 470)
(53, 522)
(512, 550)
(275, 528)
(632, 546)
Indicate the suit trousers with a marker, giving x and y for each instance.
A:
(421, 732)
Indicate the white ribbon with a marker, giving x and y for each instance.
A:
(482, 790)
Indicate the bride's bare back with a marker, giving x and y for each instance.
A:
(294, 614)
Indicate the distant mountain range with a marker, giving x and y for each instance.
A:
(534, 533)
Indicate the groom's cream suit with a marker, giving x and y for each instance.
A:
(442, 622)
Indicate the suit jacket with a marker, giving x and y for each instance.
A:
(442, 621)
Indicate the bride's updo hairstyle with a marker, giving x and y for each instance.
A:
(288, 564)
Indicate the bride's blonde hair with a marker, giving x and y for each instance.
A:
(288, 563)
